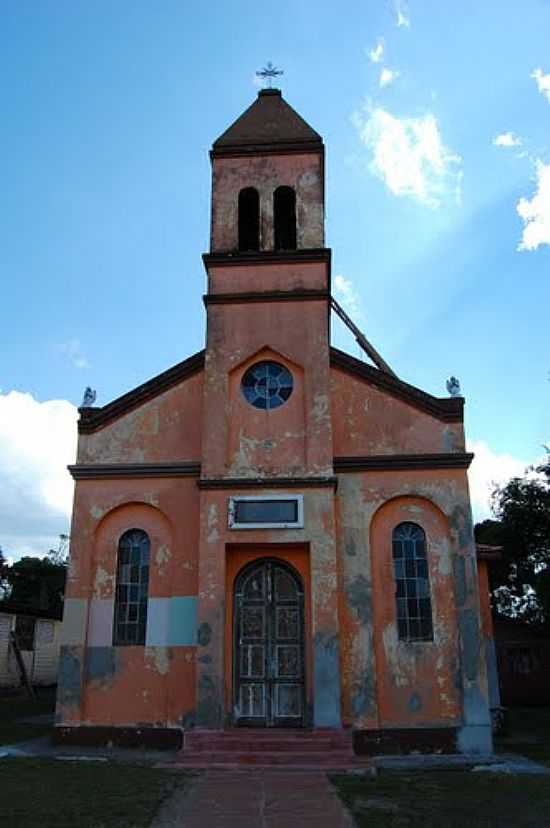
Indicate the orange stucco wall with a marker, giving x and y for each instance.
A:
(166, 428)
(237, 335)
(366, 420)
(101, 684)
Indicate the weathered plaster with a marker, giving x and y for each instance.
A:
(73, 630)
(100, 624)
(172, 622)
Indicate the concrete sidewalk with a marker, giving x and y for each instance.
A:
(255, 798)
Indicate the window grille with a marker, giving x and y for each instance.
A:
(412, 583)
(132, 586)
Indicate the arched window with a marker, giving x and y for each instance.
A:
(132, 586)
(249, 219)
(284, 216)
(412, 583)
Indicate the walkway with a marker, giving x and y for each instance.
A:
(255, 798)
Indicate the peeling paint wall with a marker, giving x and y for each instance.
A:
(366, 420)
(393, 683)
(100, 684)
(302, 171)
(293, 439)
(166, 428)
(217, 570)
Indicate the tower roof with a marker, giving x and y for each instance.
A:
(268, 125)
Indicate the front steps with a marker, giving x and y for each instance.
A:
(300, 749)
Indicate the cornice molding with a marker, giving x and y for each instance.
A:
(103, 471)
(447, 409)
(266, 296)
(398, 462)
(266, 257)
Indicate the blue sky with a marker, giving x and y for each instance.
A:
(109, 110)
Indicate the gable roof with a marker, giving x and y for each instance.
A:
(93, 419)
(269, 124)
(448, 409)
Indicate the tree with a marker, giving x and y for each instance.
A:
(3, 573)
(520, 581)
(37, 583)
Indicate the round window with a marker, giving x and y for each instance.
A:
(267, 385)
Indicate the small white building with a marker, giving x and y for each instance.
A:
(38, 635)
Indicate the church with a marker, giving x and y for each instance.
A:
(274, 534)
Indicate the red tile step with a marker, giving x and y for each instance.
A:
(268, 748)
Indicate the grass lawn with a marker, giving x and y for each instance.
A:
(51, 792)
(527, 733)
(16, 706)
(446, 799)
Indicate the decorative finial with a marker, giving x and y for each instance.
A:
(453, 387)
(269, 72)
(89, 397)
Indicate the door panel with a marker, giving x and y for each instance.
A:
(268, 646)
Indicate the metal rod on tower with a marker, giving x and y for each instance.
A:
(361, 339)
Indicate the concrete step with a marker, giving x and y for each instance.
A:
(267, 740)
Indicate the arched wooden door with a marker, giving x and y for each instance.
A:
(268, 646)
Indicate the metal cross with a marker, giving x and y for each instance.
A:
(269, 72)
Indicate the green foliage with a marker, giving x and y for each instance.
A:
(520, 581)
(37, 583)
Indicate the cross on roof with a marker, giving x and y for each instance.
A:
(269, 72)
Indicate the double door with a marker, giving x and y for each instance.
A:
(268, 661)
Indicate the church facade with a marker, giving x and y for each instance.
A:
(272, 533)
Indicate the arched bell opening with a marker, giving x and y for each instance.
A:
(249, 219)
(284, 217)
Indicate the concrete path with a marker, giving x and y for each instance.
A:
(255, 798)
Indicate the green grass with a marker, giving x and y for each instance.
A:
(527, 733)
(446, 799)
(14, 707)
(50, 792)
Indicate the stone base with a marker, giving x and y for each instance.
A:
(394, 741)
(153, 738)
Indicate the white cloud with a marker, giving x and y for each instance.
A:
(543, 82)
(402, 12)
(73, 351)
(489, 468)
(507, 139)
(347, 296)
(409, 155)
(37, 442)
(387, 76)
(536, 212)
(377, 53)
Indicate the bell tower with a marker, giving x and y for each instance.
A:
(267, 431)
(268, 297)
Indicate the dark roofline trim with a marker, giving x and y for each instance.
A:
(266, 296)
(447, 409)
(103, 471)
(397, 462)
(93, 419)
(266, 257)
(279, 148)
